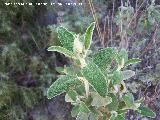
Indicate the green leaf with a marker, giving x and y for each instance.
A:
(132, 61)
(99, 101)
(83, 108)
(112, 117)
(120, 117)
(80, 90)
(62, 50)
(104, 57)
(145, 111)
(60, 70)
(61, 85)
(113, 106)
(75, 111)
(127, 74)
(82, 116)
(72, 70)
(93, 116)
(122, 55)
(128, 99)
(96, 78)
(71, 96)
(117, 77)
(66, 38)
(88, 35)
(121, 106)
(69, 99)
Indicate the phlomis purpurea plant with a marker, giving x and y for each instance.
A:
(94, 83)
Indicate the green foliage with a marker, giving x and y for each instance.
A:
(102, 86)
(61, 85)
(145, 111)
(117, 77)
(99, 101)
(132, 61)
(96, 78)
(62, 50)
(128, 99)
(113, 106)
(88, 36)
(66, 38)
(120, 117)
(103, 58)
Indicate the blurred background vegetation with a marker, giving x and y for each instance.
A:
(27, 69)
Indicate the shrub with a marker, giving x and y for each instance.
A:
(94, 84)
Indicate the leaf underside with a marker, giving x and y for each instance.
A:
(99, 101)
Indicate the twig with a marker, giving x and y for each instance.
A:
(104, 31)
(112, 22)
(135, 13)
(152, 40)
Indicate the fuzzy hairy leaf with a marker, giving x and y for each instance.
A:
(132, 61)
(61, 85)
(120, 117)
(62, 50)
(72, 94)
(115, 116)
(113, 106)
(145, 111)
(66, 38)
(83, 108)
(103, 58)
(68, 99)
(99, 101)
(75, 111)
(127, 74)
(80, 109)
(82, 116)
(73, 70)
(123, 54)
(93, 116)
(117, 77)
(60, 70)
(96, 78)
(129, 99)
(112, 117)
(88, 35)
